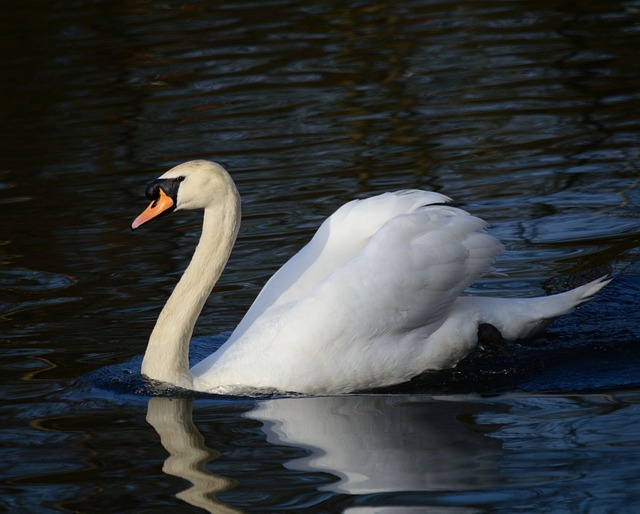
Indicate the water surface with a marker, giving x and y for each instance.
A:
(526, 113)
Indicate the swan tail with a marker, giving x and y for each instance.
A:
(563, 303)
(522, 318)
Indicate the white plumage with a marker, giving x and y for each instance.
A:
(372, 300)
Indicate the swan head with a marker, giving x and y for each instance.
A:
(191, 185)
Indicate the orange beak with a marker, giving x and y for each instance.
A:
(157, 207)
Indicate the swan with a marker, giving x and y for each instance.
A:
(372, 300)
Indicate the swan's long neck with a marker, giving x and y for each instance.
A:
(167, 355)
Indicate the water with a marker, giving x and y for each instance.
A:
(524, 112)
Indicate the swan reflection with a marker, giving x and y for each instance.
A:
(384, 443)
(371, 444)
(173, 421)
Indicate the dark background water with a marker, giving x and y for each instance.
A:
(527, 113)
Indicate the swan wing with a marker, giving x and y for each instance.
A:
(409, 273)
(339, 239)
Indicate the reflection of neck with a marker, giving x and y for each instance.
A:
(167, 356)
(188, 455)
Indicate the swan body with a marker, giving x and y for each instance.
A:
(372, 300)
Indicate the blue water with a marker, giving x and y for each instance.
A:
(525, 113)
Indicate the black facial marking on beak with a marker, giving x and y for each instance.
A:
(163, 193)
(168, 185)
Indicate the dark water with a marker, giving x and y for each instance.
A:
(527, 113)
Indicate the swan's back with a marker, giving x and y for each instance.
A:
(360, 300)
(339, 239)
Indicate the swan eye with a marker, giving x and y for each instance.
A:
(181, 178)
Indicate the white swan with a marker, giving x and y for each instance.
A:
(372, 300)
